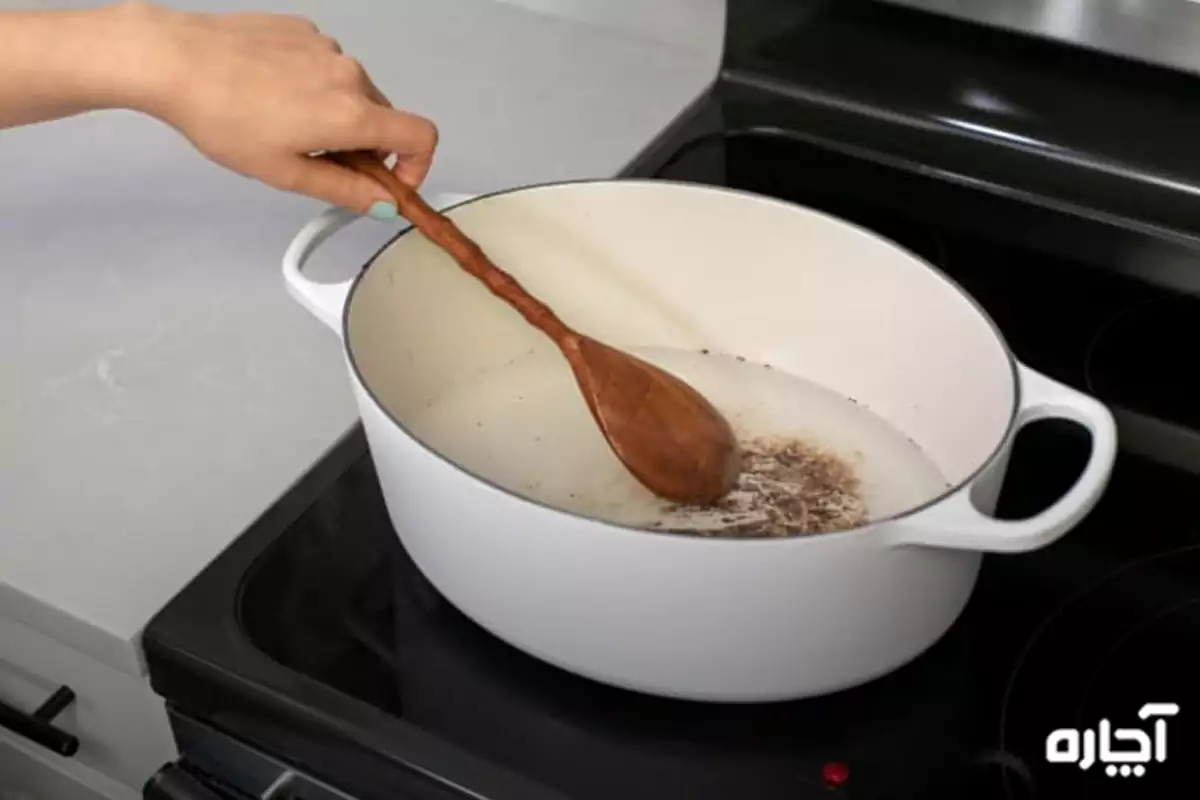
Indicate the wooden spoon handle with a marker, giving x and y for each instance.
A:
(445, 234)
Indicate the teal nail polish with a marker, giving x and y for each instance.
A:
(383, 211)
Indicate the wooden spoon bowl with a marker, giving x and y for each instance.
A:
(669, 437)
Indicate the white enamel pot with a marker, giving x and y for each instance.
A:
(465, 449)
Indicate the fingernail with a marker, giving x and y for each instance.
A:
(383, 211)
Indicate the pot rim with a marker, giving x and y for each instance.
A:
(687, 535)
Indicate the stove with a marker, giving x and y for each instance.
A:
(312, 659)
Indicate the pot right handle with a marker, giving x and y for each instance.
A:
(955, 522)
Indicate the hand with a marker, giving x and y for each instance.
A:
(261, 93)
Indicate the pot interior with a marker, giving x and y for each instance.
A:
(826, 346)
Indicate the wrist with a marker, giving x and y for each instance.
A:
(59, 63)
(128, 64)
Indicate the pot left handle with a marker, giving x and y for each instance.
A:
(955, 523)
(327, 301)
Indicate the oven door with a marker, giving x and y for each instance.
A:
(214, 766)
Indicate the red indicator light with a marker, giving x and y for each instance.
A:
(835, 773)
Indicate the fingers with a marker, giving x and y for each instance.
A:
(283, 89)
(412, 138)
(351, 113)
(412, 169)
(373, 92)
(377, 126)
(324, 180)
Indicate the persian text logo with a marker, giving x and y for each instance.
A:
(1085, 748)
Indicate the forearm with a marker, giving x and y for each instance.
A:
(59, 63)
(256, 93)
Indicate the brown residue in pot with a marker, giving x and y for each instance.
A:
(788, 487)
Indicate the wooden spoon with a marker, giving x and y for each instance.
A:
(665, 432)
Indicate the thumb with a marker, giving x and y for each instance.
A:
(322, 179)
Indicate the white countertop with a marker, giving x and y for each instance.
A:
(158, 388)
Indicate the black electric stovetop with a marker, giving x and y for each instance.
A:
(316, 639)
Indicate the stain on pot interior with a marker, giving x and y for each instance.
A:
(788, 487)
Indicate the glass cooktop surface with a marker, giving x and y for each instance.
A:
(1087, 633)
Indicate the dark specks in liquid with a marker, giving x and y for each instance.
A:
(788, 487)
(704, 351)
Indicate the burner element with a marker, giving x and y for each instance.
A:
(1098, 703)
